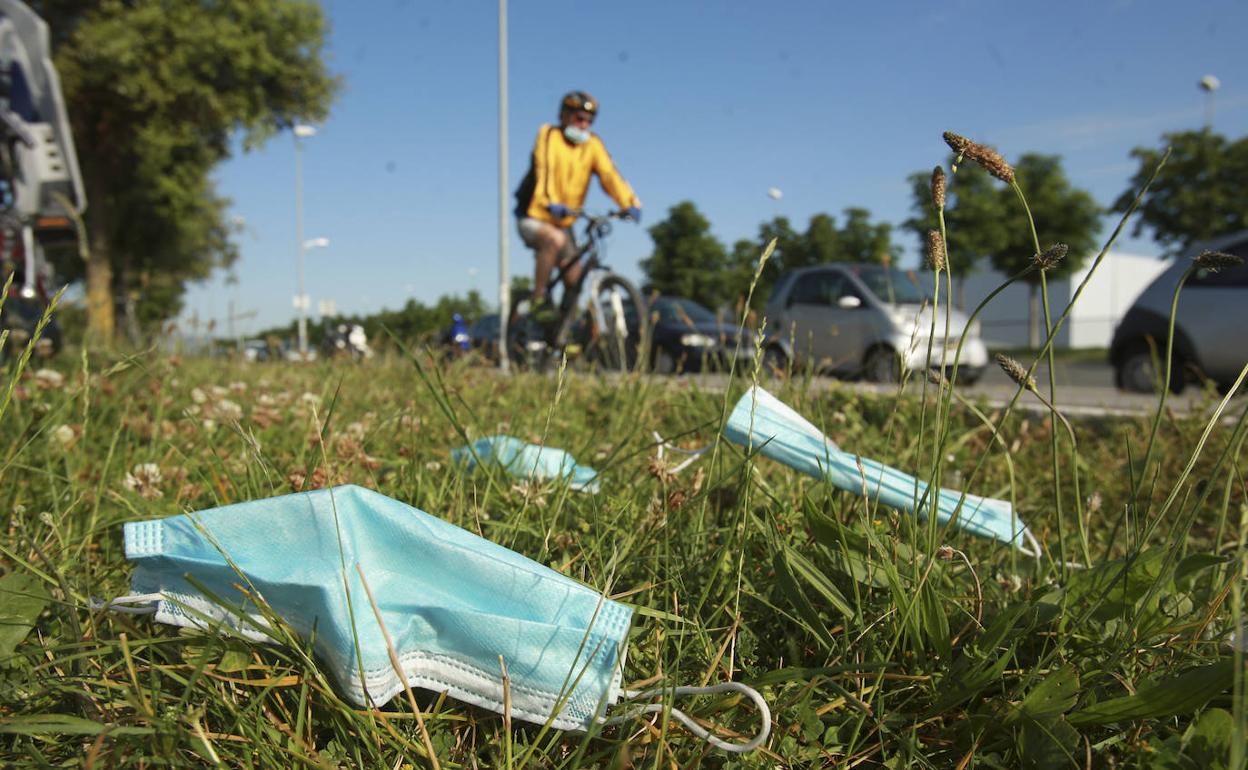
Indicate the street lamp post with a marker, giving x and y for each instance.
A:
(1209, 84)
(301, 131)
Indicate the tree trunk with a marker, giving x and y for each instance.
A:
(100, 323)
(1033, 317)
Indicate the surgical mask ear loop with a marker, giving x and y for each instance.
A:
(1032, 548)
(657, 708)
(118, 604)
(694, 454)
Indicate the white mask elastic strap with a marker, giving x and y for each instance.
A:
(1032, 548)
(118, 604)
(693, 727)
(694, 454)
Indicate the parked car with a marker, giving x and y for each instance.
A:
(687, 337)
(866, 320)
(1209, 338)
(255, 350)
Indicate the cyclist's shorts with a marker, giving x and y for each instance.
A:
(530, 233)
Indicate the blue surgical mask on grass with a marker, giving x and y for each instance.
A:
(451, 601)
(576, 134)
(762, 422)
(528, 461)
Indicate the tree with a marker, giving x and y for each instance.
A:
(985, 220)
(1062, 213)
(687, 260)
(1199, 194)
(861, 241)
(823, 241)
(155, 90)
(974, 219)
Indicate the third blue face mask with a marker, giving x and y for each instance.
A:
(762, 422)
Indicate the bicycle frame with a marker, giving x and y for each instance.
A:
(596, 230)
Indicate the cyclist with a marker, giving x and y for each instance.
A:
(564, 157)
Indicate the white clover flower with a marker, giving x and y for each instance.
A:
(238, 388)
(210, 426)
(63, 436)
(144, 479)
(49, 379)
(228, 410)
(218, 391)
(198, 396)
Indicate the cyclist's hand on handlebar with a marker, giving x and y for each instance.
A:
(559, 211)
(633, 213)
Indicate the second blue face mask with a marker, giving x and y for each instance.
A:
(528, 461)
(762, 422)
(452, 602)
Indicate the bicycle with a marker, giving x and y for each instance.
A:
(611, 332)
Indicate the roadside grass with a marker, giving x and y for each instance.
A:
(868, 648)
(878, 639)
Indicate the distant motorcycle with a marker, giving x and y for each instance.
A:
(345, 340)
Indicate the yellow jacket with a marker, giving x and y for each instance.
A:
(559, 173)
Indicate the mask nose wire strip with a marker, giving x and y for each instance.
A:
(693, 727)
(117, 605)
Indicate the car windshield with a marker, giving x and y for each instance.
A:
(895, 286)
(686, 312)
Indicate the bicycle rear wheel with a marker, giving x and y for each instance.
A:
(621, 328)
(526, 340)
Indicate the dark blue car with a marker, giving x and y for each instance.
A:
(687, 337)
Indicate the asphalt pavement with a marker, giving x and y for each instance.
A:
(1085, 388)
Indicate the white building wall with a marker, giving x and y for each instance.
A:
(1114, 286)
(1112, 290)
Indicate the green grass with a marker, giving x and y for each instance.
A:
(879, 640)
(737, 568)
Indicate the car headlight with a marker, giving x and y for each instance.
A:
(696, 341)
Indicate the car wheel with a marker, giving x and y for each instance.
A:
(882, 365)
(775, 362)
(664, 361)
(1137, 374)
(969, 377)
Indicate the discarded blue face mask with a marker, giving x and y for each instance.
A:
(528, 461)
(452, 602)
(762, 422)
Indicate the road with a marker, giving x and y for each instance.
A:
(1084, 389)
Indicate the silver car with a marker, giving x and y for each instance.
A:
(866, 320)
(1210, 342)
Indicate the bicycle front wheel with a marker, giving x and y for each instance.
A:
(621, 328)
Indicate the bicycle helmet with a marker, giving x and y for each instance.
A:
(579, 100)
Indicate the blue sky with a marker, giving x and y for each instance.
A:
(834, 103)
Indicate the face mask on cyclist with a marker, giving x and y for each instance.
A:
(576, 134)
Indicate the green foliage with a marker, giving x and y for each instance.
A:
(415, 322)
(1199, 194)
(687, 260)
(156, 91)
(823, 241)
(22, 598)
(985, 221)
